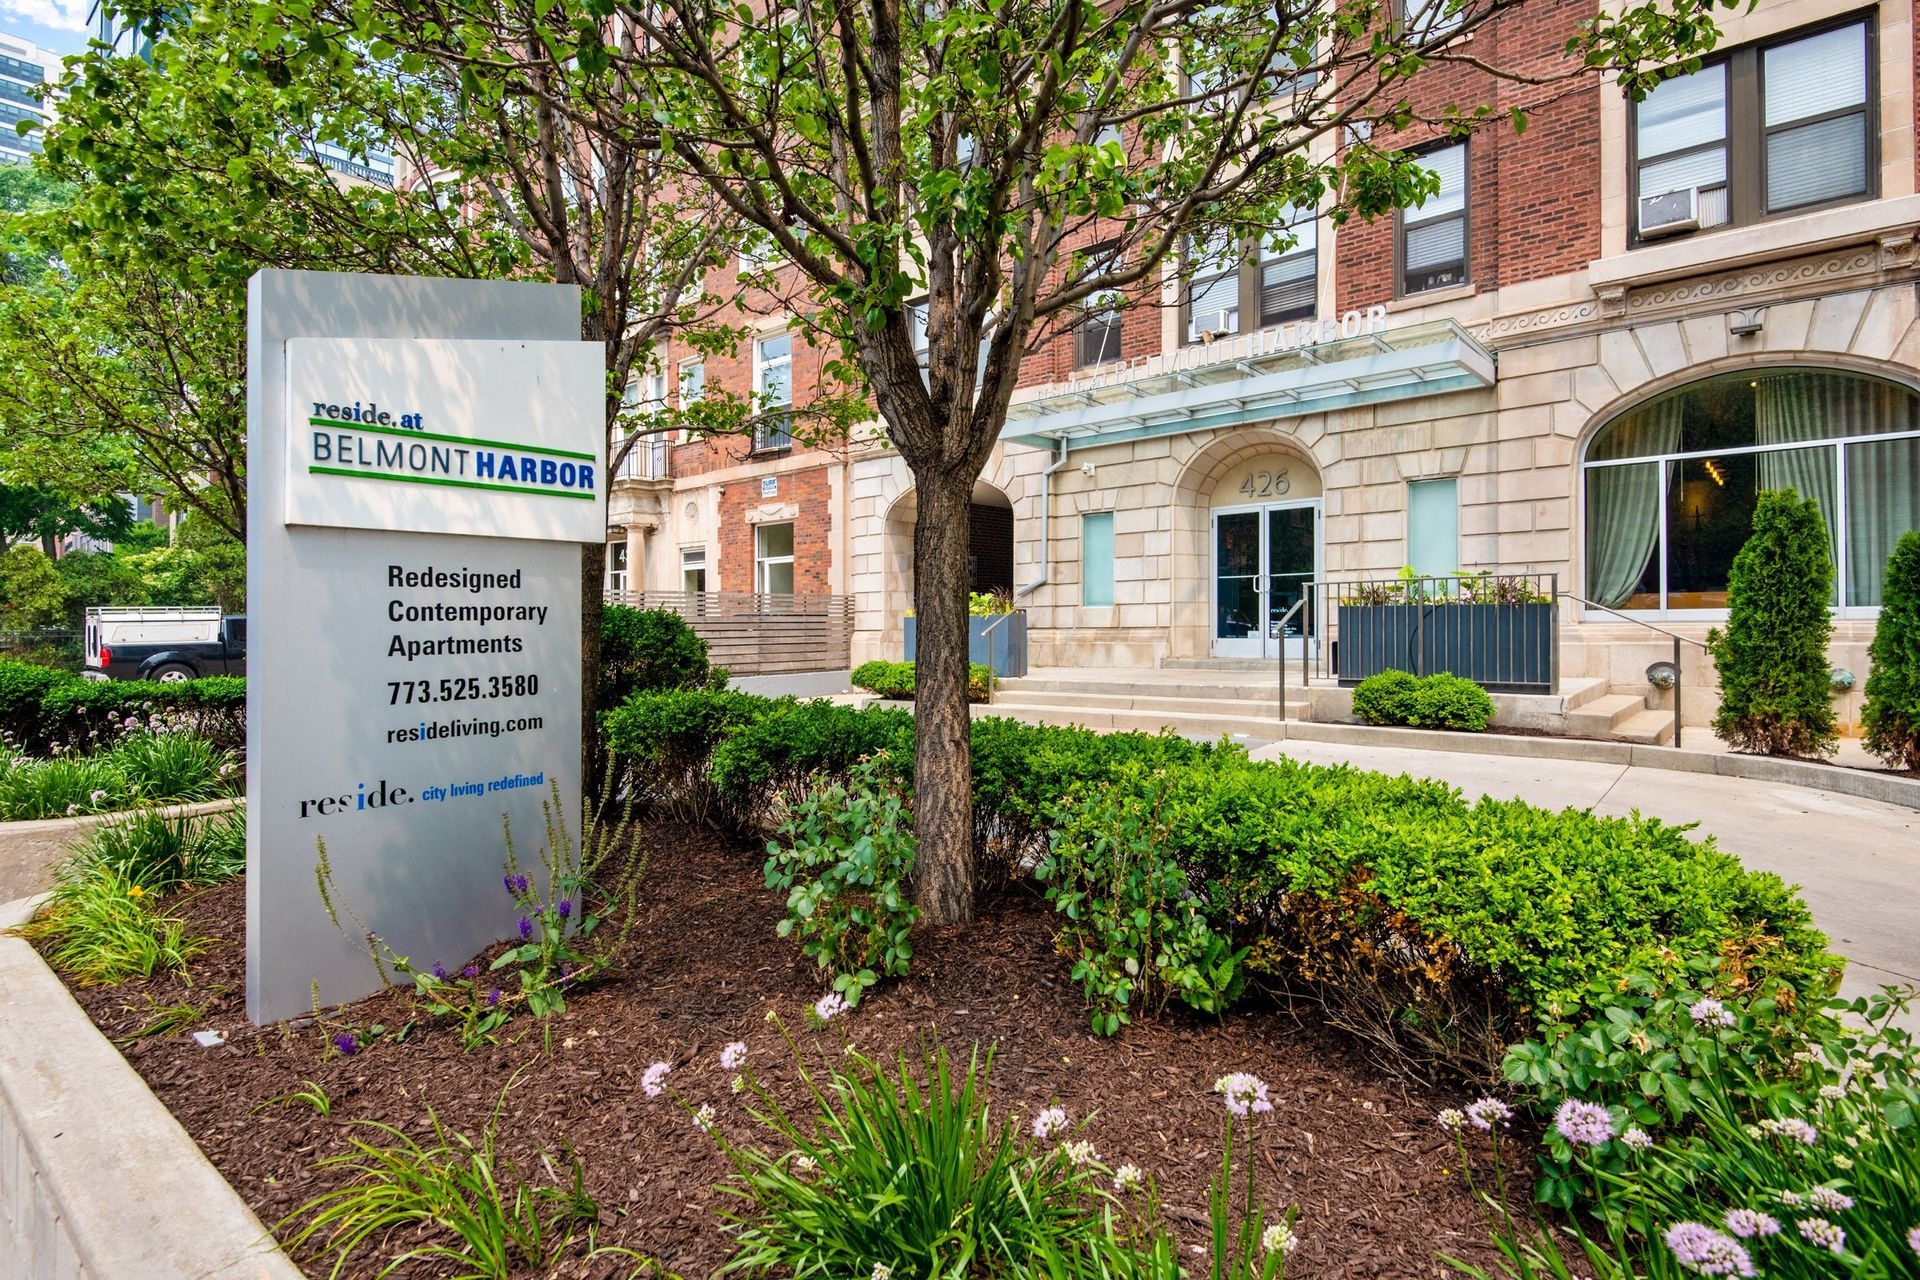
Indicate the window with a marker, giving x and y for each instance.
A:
(1433, 238)
(1277, 284)
(1096, 559)
(1433, 19)
(1671, 486)
(616, 568)
(1763, 130)
(773, 376)
(693, 381)
(917, 326)
(693, 569)
(1433, 526)
(773, 559)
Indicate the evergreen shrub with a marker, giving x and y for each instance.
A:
(1775, 678)
(1438, 701)
(895, 679)
(1892, 714)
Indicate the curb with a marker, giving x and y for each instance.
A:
(42, 828)
(1860, 783)
(97, 1178)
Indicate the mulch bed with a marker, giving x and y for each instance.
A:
(1355, 1148)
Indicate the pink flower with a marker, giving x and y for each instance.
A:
(734, 1056)
(1050, 1123)
(1751, 1223)
(1488, 1112)
(1585, 1124)
(1246, 1095)
(652, 1082)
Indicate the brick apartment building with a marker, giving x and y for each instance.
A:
(1583, 358)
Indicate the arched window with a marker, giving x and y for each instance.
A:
(1670, 486)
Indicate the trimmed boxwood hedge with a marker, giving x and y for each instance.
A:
(1458, 925)
(895, 679)
(39, 706)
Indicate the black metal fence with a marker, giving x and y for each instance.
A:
(1500, 630)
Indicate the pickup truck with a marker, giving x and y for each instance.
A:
(164, 644)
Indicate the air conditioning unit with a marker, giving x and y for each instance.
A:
(1208, 326)
(1670, 213)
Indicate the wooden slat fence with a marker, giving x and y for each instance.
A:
(756, 635)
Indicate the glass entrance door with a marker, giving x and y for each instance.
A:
(1263, 559)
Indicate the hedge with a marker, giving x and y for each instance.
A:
(1451, 926)
(39, 707)
(1438, 701)
(895, 679)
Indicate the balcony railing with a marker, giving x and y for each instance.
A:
(650, 459)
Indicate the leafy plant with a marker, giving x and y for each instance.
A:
(1387, 697)
(902, 1170)
(895, 679)
(1137, 935)
(1772, 654)
(663, 743)
(99, 927)
(1891, 716)
(649, 651)
(171, 766)
(487, 1218)
(1439, 701)
(844, 855)
(61, 787)
(160, 851)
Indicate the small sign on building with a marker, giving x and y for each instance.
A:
(769, 486)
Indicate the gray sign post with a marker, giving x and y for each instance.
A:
(425, 458)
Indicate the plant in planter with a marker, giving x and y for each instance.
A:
(996, 633)
(1495, 629)
(1892, 713)
(1772, 654)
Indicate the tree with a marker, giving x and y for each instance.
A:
(1775, 679)
(1015, 163)
(1892, 714)
(31, 595)
(48, 514)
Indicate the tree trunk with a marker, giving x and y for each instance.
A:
(593, 595)
(943, 771)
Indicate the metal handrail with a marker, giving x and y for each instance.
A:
(1285, 618)
(987, 635)
(1675, 636)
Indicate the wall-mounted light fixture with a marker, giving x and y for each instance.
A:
(1744, 324)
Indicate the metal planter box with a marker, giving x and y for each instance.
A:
(1005, 649)
(1507, 647)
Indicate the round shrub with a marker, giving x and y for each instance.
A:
(642, 650)
(1450, 702)
(1386, 698)
(1892, 713)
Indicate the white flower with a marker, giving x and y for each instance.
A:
(734, 1056)
(881, 1271)
(650, 1082)
(1832, 1092)
(1637, 1138)
(1452, 1119)
(703, 1119)
(1246, 1094)
(1278, 1238)
(96, 797)
(830, 1006)
(1128, 1178)
(1708, 1012)
(804, 1164)
(737, 1084)
(1080, 1152)
(1050, 1123)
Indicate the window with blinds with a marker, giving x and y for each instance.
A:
(1433, 237)
(1763, 130)
(1234, 288)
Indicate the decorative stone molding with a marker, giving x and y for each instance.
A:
(1757, 284)
(1896, 250)
(1530, 322)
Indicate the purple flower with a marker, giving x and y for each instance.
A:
(1829, 1200)
(1488, 1112)
(565, 908)
(526, 929)
(1791, 1129)
(347, 1043)
(1704, 1251)
(493, 998)
(1050, 1123)
(1246, 1094)
(1708, 1012)
(1750, 1223)
(652, 1082)
(471, 971)
(830, 1006)
(1913, 1241)
(1584, 1124)
(734, 1056)
(507, 880)
(439, 970)
(1822, 1234)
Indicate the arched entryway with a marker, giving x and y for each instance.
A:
(1249, 527)
(1669, 487)
(990, 559)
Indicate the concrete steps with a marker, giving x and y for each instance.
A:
(1648, 728)
(1198, 701)
(1208, 725)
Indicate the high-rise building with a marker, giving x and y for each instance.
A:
(24, 68)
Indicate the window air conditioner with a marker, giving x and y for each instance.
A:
(1670, 213)
(1211, 325)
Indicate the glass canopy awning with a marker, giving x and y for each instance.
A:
(1256, 377)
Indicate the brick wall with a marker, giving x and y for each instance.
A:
(805, 493)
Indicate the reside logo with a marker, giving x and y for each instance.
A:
(371, 415)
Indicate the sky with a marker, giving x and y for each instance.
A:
(59, 25)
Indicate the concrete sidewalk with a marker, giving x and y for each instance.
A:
(1857, 861)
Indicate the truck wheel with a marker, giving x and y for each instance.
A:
(171, 673)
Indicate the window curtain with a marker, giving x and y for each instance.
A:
(1883, 502)
(1623, 503)
(1795, 407)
